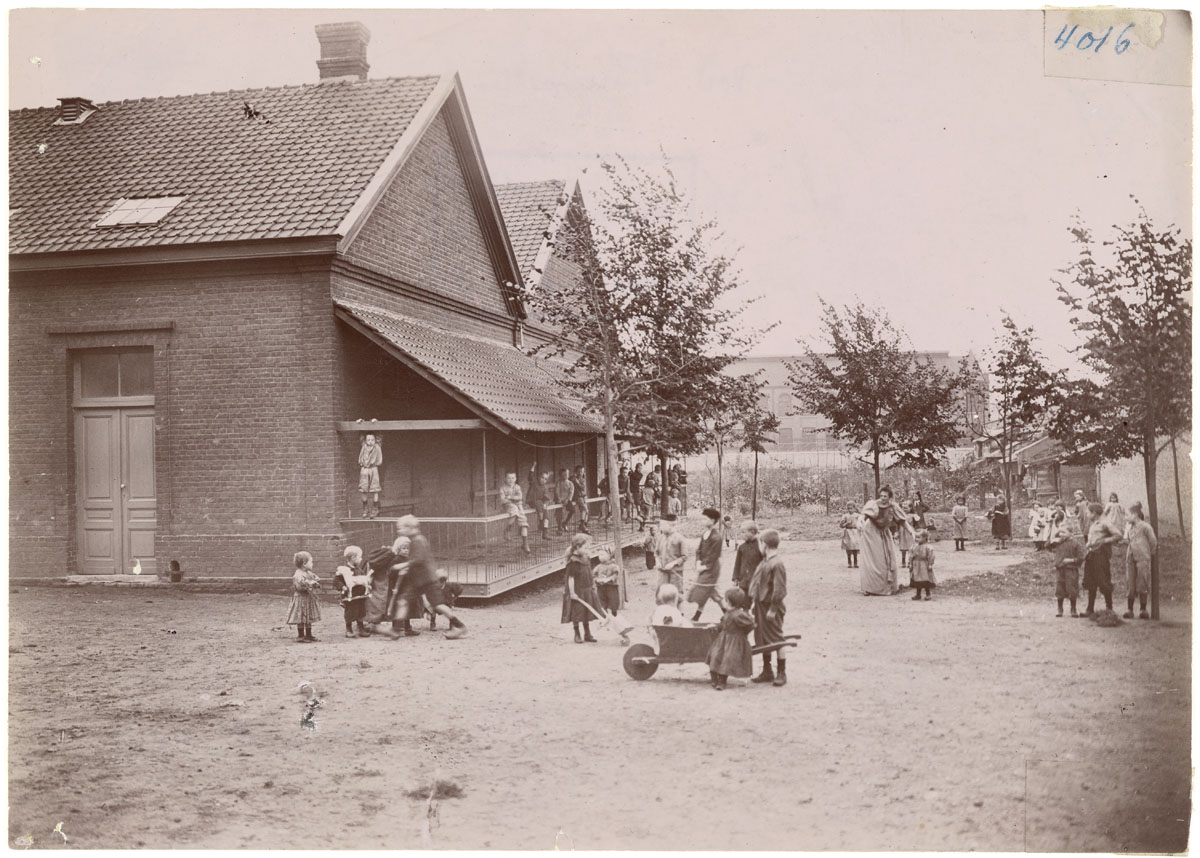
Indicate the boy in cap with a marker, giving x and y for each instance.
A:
(1068, 557)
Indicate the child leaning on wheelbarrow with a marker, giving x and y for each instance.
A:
(729, 654)
(768, 589)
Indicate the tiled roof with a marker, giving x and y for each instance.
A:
(527, 208)
(504, 381)
(296, 175)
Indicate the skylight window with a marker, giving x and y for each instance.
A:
(139, 210)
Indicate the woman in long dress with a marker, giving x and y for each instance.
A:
(878, 551)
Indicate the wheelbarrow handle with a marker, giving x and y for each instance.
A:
(759, 650)
(595, 613)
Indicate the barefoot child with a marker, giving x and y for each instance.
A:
(768, 590)
(305, 609)
(921, 567)
(352, 580)
(849, 525)
(578, 586)
(959, 514)
(1142, 546)
(607, 586)
(729, 654)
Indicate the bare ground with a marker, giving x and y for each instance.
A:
(963, 723)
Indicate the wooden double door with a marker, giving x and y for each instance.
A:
(116, 494)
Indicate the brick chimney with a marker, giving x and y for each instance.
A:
(343, 51)
(74, 110)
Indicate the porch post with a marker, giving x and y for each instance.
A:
(483, 435)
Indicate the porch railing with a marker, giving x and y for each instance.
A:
(486, 549)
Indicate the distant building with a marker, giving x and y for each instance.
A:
(801, 432)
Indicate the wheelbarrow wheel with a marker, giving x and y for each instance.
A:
(640, 669)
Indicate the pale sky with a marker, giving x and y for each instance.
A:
(918, 160)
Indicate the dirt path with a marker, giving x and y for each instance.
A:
(952, 724)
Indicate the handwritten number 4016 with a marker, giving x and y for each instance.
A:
(1089, 41)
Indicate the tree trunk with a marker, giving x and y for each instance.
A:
(875, 451)
(1178, 498)
(720, 475)
(662, 483)
(754, 491)
(1150, 461)
(614, 498)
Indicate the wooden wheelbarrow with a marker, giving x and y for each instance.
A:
(682, 645)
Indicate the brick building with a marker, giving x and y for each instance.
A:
(207, 291)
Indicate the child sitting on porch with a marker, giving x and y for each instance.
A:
(606, 573)
(729, 654)
(305, 609)
(352, 580)
(666, 612)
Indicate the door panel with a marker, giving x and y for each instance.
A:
(97, 433)
(137, 466)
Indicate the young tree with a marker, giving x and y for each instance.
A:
(1133, 314)
(1023, 390)
(876, 394)
(677, 311)
(643, 319)
(758, 429)
(738, 397)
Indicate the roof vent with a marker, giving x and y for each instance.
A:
(343, 51)
(74, 111)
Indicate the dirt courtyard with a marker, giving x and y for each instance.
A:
(152, 718)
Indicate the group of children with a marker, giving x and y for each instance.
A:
(1101, 533)
(393, 584)
(910, 531)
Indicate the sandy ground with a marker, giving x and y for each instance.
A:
(952, 724)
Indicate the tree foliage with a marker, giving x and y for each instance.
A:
(878, 396)
(1132, 312)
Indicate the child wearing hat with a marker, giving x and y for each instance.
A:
(729, 654)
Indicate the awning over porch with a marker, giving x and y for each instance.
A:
(503, 385)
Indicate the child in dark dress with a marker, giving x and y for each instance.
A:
(729, 654)
(580, 587)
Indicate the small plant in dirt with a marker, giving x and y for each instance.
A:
(440, 789)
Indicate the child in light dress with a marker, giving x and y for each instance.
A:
(729, 654)
(921, 567)
(305, 609)
(849, 525)
(959, 514)
(906, 536)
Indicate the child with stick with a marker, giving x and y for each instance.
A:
(580, 587)
(729, 654)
